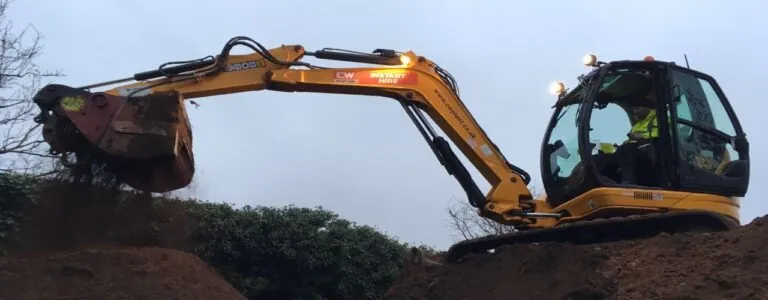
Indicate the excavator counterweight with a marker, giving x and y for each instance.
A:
(685, 173)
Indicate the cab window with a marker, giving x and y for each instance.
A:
(704, 127)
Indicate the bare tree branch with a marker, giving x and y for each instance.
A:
(467, 224)
(21, 144)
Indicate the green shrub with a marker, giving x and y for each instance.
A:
(296, 253)
(15, 195)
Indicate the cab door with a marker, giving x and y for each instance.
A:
(711, 147)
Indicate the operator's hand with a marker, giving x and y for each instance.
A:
(636, 136)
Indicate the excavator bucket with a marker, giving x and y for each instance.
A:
(146, 141)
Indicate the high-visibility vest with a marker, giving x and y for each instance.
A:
(649, 126)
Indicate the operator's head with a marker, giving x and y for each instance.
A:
(642, 108)
(641, 111)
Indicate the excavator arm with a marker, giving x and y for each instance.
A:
(142, 131)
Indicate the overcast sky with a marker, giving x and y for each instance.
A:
(361, 156)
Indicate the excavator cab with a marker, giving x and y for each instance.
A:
(702, 148)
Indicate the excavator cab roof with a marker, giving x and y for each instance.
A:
(626, 81)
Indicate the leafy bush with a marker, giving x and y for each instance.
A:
(15, 195)
(296, 253)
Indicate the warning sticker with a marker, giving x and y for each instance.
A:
(387, 77)
(72, 103)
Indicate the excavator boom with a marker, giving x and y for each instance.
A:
(141, 132)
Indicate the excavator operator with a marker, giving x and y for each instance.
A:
(647, 126)
(636, 155)
(639, 144)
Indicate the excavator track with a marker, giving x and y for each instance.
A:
(600, 231)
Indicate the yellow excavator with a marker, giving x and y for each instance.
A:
(689, 175)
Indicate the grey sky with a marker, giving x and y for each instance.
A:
(361, 156)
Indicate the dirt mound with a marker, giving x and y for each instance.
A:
(111, 272)
(725, 265)
(80, 241)
(417, 280)
(66, 216)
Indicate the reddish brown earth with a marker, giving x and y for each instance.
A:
(725, 265)
(111, 272)
(88, 243)
(68, 216)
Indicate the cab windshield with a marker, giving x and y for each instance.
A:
(610, 122)
(611, 117)
(562, 151)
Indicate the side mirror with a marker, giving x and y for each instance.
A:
(559, 149)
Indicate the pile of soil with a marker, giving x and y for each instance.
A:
(87, 242)
(723, 265)
(111, 272)
(66, 216)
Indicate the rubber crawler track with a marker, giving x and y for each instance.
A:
(600, 230)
